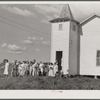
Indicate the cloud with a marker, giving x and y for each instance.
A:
(4, 45)
(84, 11)
(41, 38)
(49, 11)
(15, 52)
(35, 40)
(13, 48)
(32, 38)
(29, 38)
(80, 11)
(19, 11)
(47, 8)
(27, 41)
(37, 49)
(46, 42)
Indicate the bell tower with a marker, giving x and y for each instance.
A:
(64, 41)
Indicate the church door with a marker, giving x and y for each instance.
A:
(59, 59)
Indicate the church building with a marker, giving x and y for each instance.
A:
(76, 45)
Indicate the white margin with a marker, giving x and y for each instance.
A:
(49, 94)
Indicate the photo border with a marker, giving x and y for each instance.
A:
(53, 94)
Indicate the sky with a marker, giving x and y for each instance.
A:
(25, 30)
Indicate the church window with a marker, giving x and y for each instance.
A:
(74, 27)
(98, 58)
(60, 26)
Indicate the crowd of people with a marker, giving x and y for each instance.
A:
(30, 68)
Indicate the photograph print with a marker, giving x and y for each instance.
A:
(50, 46)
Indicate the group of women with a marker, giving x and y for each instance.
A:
(30, 68)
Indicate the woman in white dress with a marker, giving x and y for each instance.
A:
(34, 68)
(6, 67)
(21, 69)
(41, 65)
(55, 68)
(51, 73)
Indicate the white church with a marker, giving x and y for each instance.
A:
(76, 45)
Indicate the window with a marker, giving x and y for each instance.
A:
(74, 27)
(98, 58)
(60, 26)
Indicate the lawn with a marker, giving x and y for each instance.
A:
(49, 83)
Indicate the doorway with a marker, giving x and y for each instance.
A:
(59, 59)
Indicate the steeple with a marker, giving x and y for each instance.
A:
(66, 12)
(66, 15)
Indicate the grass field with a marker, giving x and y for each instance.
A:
(47, 83)
(39, 83)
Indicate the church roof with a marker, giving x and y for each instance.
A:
(63, 20)
(66, 15)
(89, 19)
(66, 12)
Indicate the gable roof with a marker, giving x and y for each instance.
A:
(89, 19)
